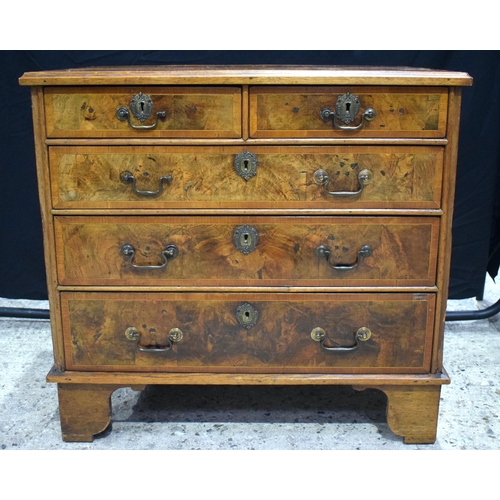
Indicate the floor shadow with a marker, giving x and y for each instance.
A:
(259, 404)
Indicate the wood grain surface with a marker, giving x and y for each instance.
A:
(412, 411)
(136, 379)
(205, 177)
(295, 111)
(213, 113)
(404, 251)
(85, 410)
(191, 111)
(246, 74)
(280, 341)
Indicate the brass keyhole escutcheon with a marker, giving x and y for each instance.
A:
(247, 315)
(346, 111)
(347, 107)
(245, 238)
(245, 164)
(141, 106)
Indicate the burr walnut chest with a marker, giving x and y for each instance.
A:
(247, 225)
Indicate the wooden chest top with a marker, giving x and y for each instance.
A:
(247, 75)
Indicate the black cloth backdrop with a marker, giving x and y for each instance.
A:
(476, 225)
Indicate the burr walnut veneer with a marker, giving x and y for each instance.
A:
(247, 225)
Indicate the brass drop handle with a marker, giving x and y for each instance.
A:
(174, 335)
(346, 111)
(141, 106)
(321, 177)
(128, 178)
(362, 335)
(170, 252)
(123, 114)
(322, 251)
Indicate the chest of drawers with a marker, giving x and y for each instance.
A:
(247, 225)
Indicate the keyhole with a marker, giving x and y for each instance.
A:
(245, 165)
(347, 107)
(246, 240)
(142, 106)
(247, 317)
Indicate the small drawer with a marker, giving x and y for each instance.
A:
(262, 177)
(259, 333)
(309, 112)
(246, 251)
(106, 112)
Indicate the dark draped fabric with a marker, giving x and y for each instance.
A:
(476, 225)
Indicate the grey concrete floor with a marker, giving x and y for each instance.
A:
(248, 418)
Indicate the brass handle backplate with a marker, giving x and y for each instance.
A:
(322, 251)
(128, 178)
(141, 107)
(346, 111)
(321, 177)
(170, 252)
(362, 335)
(174, 335)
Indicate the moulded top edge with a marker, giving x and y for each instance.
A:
(247, 75)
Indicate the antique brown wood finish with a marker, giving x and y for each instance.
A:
(279, 342)
(248, 75)
(212, 114)
(403, 251)
(136, 379)
(295, 111)
(47, 225)
(205, 177)
(85, 410)
(444, 256)
(275, 141)
(190, 112)
(412, 412)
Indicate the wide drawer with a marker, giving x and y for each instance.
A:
(399, 111)
(272, 177)
(246, 251)
(212, 332)
(189, 111)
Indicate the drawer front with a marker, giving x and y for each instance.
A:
(189, 112)
(296, 112)
(247, 251)
(119, 332)
(273, 177)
